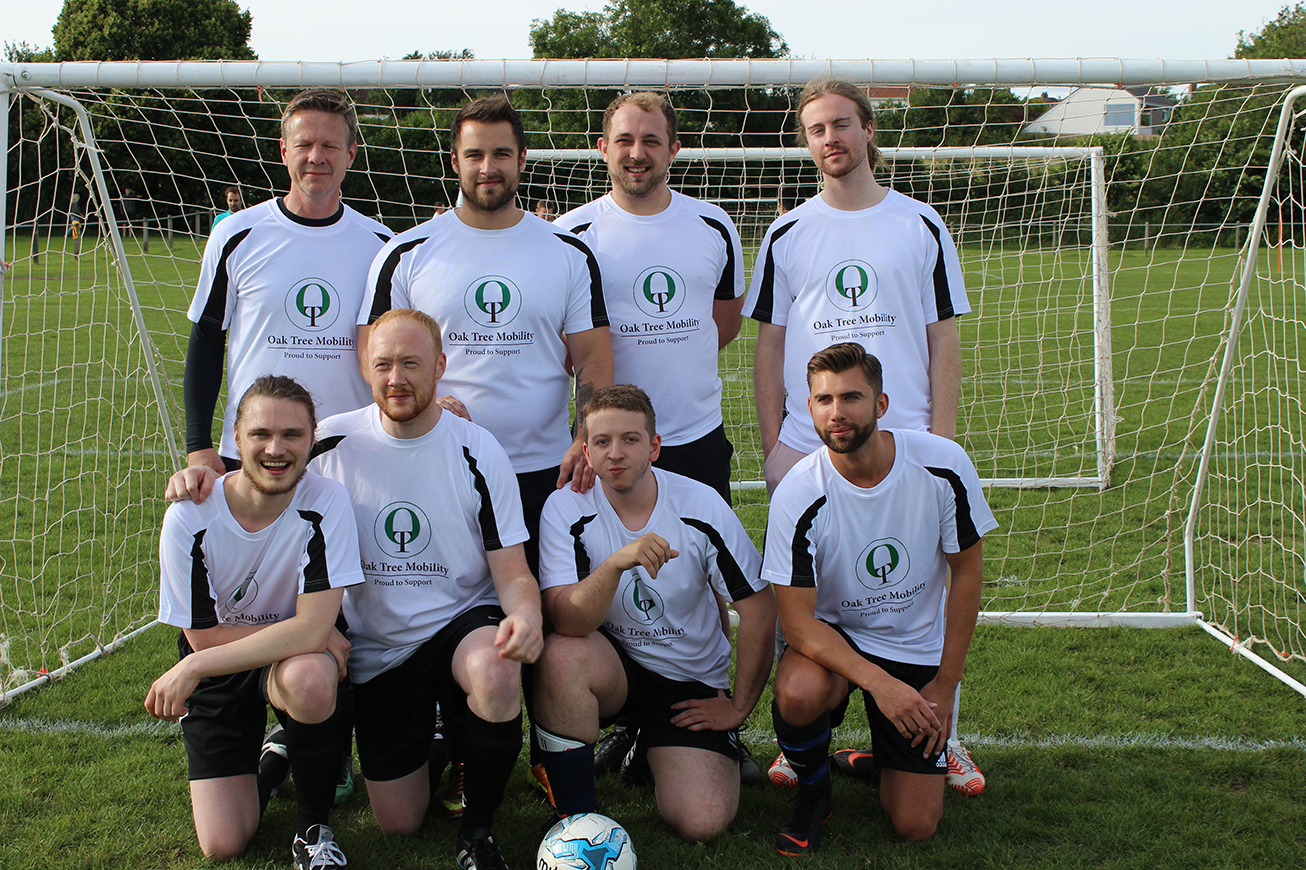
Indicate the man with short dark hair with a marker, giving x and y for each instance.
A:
(517, 300)
(284, 280)
(630, 571)
(860, 540)
(254, 578)
(235, 202)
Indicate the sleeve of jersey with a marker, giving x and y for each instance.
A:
(790, 558)
(769, 296)
(731, 283)
(965, 516)
(386, 285)
(943, 288)
(499, 511)
(330, 559)
(733, 565)
(185, 595)
(586, 308)
(215, 298)
(563, 556)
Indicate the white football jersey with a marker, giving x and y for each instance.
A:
(671, 624)
(878, 277)
(214, 572)
(876, 556)
(504, 299)
(428, 509)
(661, 275)
(287, 290)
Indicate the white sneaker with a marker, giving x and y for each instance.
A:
(963, 774)
(320, 850)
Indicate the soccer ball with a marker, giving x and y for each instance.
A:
(586, 841)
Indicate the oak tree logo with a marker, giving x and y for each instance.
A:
(659, 291)
(492, 301)
(641, 602)
(313, 305)
(852, 285)
(884, 564)
(402, 530)
(241, 598)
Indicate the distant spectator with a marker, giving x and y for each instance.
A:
(76, 216)
(234, 204)
(544, 210)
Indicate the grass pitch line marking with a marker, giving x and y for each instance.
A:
(90, 729)
(846, 737)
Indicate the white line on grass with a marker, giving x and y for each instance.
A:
(91, 729)
(845, 736)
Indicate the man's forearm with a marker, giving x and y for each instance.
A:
(754, 647)
(201, 383)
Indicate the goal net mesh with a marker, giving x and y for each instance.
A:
(1106, 403)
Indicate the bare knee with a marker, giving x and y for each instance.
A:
(398, 824)
(916, 828)
(222, 847)
(698, 828)
(494, 692)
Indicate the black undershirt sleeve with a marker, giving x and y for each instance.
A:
(202, 383)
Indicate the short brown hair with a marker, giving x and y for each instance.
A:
(647, 101)
(622, 397)
(279, 387)
(324, 100)
(818, 88)
(841, 357)
(489, 110)
(412, 315)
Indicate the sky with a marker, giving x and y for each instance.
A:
(334, 30)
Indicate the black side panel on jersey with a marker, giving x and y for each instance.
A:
(580, 228)
(725, 288)
(385, 279)
(803, 574)
(215, 309)
(583, 568)
(326, 444)
(598, 308)
(315, 572)
(764, 309)
(967, 534)
(484, 516)
(736, 582)
(203, 609)
(942, 292)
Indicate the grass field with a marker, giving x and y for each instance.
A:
(1117, 748)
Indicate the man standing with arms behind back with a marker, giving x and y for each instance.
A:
(858, 262)
(284, 278)
(673, 278)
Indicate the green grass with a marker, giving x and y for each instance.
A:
(1104, 748)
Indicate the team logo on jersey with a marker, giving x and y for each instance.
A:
(402, 530)
(852, 285)
(240, 598)
(492, 301)
(659, 291)
(884, 564)
(640, 601)
(313, 304)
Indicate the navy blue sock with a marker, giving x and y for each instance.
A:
(571, 776)
(808, 749)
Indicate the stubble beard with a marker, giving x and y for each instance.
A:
(638, 189)
(484, 201)
(265, 489)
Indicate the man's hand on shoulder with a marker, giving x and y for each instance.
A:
(193, 483)
(454, 406)
(576, 469)
(206, 458)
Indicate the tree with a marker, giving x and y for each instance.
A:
(152, 30)
(1285, 36)
(658, 28)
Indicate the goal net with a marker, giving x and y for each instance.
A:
(1101, 229)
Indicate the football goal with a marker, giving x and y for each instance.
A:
(1129, 233)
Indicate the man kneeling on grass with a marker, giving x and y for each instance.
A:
(859, 541)
(254, 578)
(628, 571)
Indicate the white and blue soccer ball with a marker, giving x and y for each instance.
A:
(586, 841)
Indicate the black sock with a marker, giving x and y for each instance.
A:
(571, 776)
(807, 747)
(315, 763)
(489, 753)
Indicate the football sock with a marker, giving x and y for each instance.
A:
(807, 747)
(489, 752)
(314, 752)
(570, 765)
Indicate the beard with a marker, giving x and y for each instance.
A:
(421, 401)
(846, 169)
(279, 488)
(850, 443)
(636, 188)
(488, 201)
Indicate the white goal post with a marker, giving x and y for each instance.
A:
(1109, 272)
